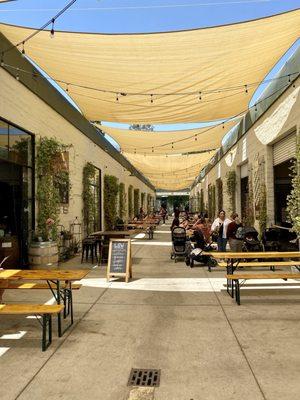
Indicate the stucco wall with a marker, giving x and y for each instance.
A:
(22, 107)
(256, 147)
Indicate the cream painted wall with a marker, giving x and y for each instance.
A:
(20, 106)
(279, 120)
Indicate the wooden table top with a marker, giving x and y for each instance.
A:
(266, 254)
(44, 274)
(129, 232)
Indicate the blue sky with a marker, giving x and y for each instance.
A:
(128, 16)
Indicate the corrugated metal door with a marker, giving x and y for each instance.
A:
(285, 149)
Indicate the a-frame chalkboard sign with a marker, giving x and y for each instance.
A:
(119, 259)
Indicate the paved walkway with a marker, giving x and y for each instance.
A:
(170, 317)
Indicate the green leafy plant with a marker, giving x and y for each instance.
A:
(136, 201)
(293, 200)
(231, 190)
(143, 197)
(130, 201)
(122, 200)
(89, 206)
(211, 201)
(48, 175)
(250, 218)
(149, 203)
(219, 186)
(111, 189)
(262, 214)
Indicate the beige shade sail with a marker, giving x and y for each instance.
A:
(174, 67)
(170, 172)
(171, 142)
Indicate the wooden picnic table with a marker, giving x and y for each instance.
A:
(53, 278)
(234, 258)
(116, 234)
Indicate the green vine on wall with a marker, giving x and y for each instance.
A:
(149, 203)
(231, 190)
(49, 178)
(293, 200)
(136, 202)
(250, 218)
(219, 188)
(262, 214)
(122, 200)
(111, 189)
(211, 201)
(130, 201)
(202, 207)
(89, 205)
(143, 197)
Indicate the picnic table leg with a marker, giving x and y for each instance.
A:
(59, 314)
(47, 331)
(237, 291)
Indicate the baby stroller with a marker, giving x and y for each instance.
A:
(271, 239)
(196, 250)
(179, 243)
(251, 242)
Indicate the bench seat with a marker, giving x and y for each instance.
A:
(235, 278)
(45, 310)
(263, 264)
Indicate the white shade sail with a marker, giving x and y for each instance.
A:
(170, 172)
(170, 142)
(193, 75)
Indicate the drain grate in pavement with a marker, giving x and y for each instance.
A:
(144, 377)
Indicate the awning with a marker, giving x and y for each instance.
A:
(170, 142)
(171, 172)
(193, 75)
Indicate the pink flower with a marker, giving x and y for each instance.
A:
(50, 222)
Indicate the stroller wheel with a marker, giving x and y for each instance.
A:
(172, 256)
(192, 264)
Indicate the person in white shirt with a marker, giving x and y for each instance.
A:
(220, 225)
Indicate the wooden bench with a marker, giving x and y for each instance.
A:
(263, 264)
(235, 278)
(34, 285)
(46, 312)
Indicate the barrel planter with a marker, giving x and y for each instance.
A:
(43, 255)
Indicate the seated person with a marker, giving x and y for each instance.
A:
(185, 223)
(204, 227)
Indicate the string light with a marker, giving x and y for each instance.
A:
(67, 88)
(52, 28)
(196, 138)
(151, 98)
(117, 96)
(172, 145)
(200, 96)
(289, 79)
(223, 125)
(2, 59)
(17, 75)
(255, 107)
(246, 88)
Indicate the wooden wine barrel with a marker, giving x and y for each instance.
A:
(43, 255)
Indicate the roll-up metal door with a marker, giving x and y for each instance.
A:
(285, 149)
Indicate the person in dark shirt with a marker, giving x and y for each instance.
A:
(175, 223)
(234, 243)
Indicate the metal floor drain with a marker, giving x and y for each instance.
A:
(144, 377)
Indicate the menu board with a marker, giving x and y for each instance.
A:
(119, 258)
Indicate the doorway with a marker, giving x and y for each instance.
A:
(282, 188)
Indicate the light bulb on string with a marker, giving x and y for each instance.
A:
(289, 79)
(223, 126)
(152, 150)
(255, 108)
(151, 98)
(200, 96)
(67, 88)
(117, 96)
(52, 29)
(17, 75)
(2, 60)
(246, 89)
(196, 138)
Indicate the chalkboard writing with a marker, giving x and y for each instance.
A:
(118, 259)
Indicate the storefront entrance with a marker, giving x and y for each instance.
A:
(16, 194)
(283, 187)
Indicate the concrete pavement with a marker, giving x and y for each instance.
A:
(170, 317)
